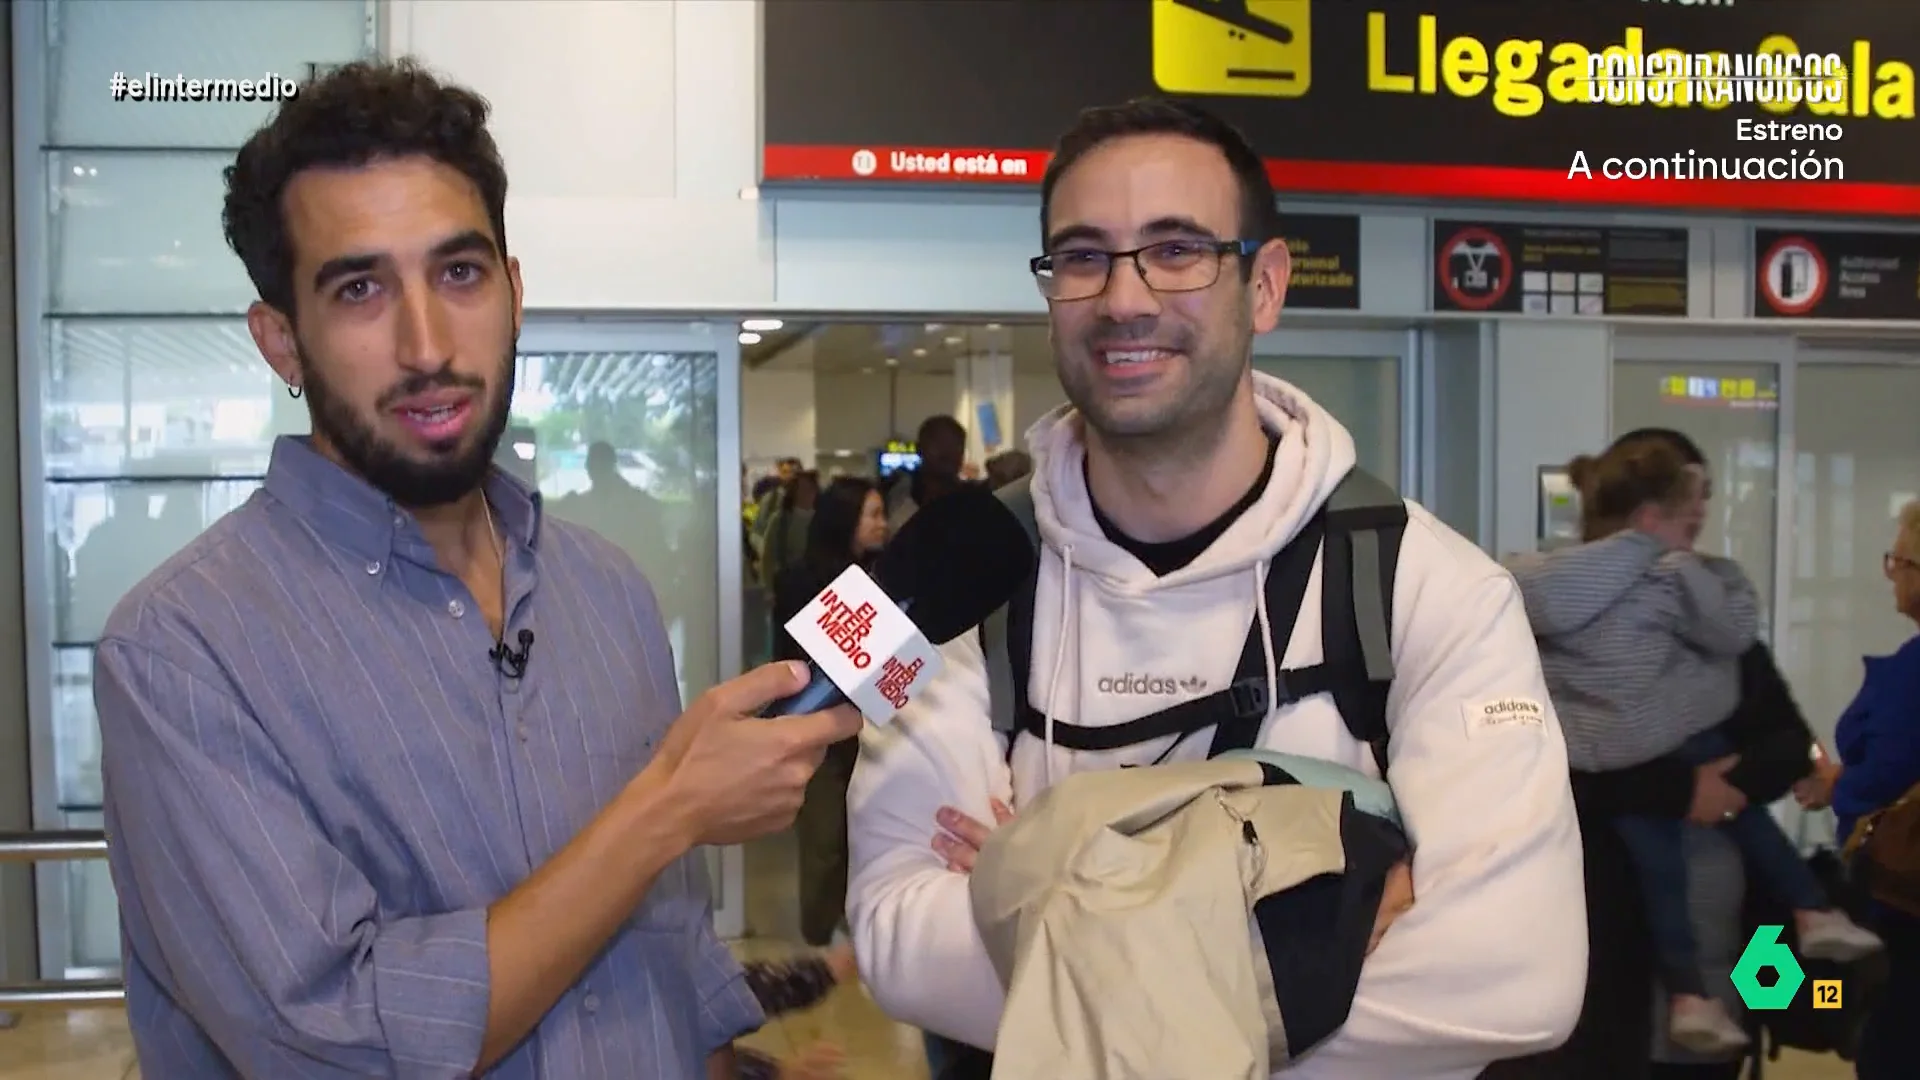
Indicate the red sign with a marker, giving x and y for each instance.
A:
(988, 165)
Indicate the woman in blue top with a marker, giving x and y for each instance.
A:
(1878, 739)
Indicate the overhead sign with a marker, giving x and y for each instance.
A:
(1506, 267)
(1751, 106)
(1326, 260)
(1836, 275)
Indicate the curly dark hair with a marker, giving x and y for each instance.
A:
(356, 114)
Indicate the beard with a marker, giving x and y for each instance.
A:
(452, 472)
(1172, 414)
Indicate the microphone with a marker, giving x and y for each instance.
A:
(508, 662)
(875, 643)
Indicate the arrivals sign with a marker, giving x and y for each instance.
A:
(1713, 104)
(1559, 269)
(1836, 275)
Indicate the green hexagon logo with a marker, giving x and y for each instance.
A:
(1764, 950)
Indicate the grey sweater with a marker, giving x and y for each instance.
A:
(1641, 645)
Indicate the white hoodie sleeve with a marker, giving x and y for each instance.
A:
(912, 919)
(1490, 963)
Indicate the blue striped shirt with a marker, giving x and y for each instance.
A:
(316, 783)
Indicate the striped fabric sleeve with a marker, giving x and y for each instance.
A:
(273, 938)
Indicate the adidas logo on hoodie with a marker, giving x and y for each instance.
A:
(1162, 685)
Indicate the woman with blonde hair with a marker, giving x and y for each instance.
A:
(1878, 741)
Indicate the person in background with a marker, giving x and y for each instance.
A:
(1008, 466)
(1878, 740)
(1617, 1037)
(788, 986)
(942, 445)
(766, 499)
(352, 838)
(849, 526)
(1641, 639)
(785, 536)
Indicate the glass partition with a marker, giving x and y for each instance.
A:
(1732, 410)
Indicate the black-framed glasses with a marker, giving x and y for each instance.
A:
(1169, 266)
(1893, 561)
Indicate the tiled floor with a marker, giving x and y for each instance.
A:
(93, 1044)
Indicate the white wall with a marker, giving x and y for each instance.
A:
(1552, 392)
(776, 416)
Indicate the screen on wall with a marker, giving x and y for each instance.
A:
(1489, 100)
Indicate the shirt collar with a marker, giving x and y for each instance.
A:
(345, 510)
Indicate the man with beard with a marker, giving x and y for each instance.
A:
(397, 777)
(1167, 498)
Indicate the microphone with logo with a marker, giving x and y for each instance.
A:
(875, 642)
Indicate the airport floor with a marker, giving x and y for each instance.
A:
(92, 1044)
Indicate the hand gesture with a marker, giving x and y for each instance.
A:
(960, 837)
(1395, 900)
(736, 777)
(1815, 792)
(1715, 801)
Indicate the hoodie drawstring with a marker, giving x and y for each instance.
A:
(1266, 639)
(1059, 657)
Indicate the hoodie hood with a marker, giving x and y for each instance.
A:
(1567, 589)
(1314, 455)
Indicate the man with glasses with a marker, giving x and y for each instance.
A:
(1167, 502)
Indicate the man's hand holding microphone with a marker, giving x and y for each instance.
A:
(729, 776)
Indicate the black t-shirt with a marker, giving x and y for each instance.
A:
(1167, 556)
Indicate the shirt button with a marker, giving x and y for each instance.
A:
(373, 567)
(399, 521)
(521, 731)
(456, 609)
(592, 1003)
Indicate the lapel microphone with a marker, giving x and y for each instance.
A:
(508, 662)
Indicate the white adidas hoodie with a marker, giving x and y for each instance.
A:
(1491, 961)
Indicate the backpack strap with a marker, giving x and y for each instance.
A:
(1366, 521)
(1007, 636)
(1356, 537)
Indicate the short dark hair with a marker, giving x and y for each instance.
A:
(1259, 216)
(935, 426)
(354, 115)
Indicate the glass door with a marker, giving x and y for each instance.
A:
(1856, 462)
(1360, 376)
(630, 430)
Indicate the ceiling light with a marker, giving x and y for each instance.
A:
(894, 361)
(954, 339)
(919, 352)
(866, 371)
(993, 326)
(766, 325)
(934, 327)
(748, 337)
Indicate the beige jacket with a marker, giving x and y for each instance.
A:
(1119, 910)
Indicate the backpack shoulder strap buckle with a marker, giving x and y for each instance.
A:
(1249, 697)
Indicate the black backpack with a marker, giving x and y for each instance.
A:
(1356, 534)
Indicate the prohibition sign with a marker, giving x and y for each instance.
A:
(1793, 276)
(1487, 271)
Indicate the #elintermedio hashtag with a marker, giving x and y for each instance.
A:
(149, 86)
